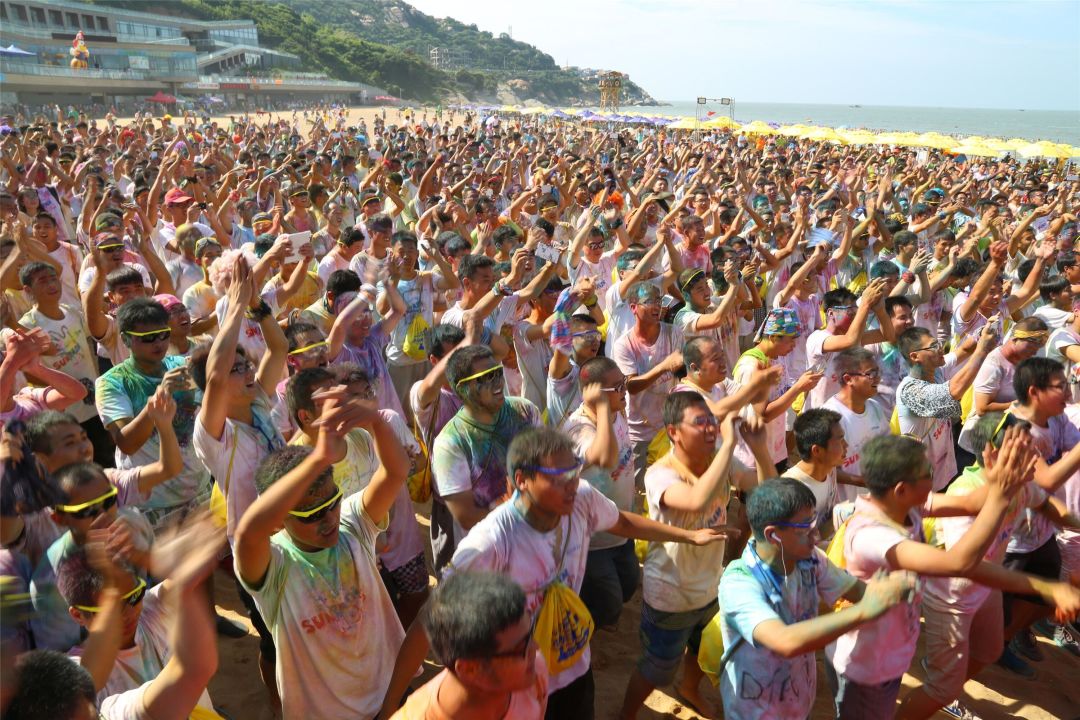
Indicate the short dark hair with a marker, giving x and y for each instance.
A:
(380, 223)
(694, 350)
(32, 268)
(443, 338)
(814, 428)
(49, 686)
(343, 281)
(140, 311)
(296, 330)
(461, 362)
(911, 340)
(124, 275)
(282, 461)
(882, 268)
(78, 582)
(199, 357)
(890, 459)
(349, 373)
(891, 303)
(77, 475)
(964, 267)
(849, 361)
(467, 611)
(471, 263)
(402, 237)
(39, 429)
(839, 297)
(1052, 286)
(905, 238)
(594, 369)
(1035, 372)
(676, 404)
(776, 501)
(532, 445)
(504, 233)
(301, 387)
(1065, 259)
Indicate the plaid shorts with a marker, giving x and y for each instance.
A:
(409, 579)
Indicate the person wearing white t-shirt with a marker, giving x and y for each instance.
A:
(987, 295)
(862, 417)
(819, 438)
(993, 386)
(633, 266)
(777, 338)
(700, 317)
(648, 355)
(845, 327)
(1057, 297)
(495, 301)
(1064, 346)
(144, 644)
(928, 399)
(316, 582)
(886, 533)
(575, 339)
(599, 431)
(587, 258)
(687, 488)
(70, 686)
(541, 535)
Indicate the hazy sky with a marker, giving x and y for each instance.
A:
(947, 53)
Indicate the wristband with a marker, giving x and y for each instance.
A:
(261, 312)
(591, 302)
(502, 288)
(616, 223)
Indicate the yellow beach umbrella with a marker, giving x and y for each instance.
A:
(758, 127)
(1045, 148)
(975, 149)
(723, 122)
(858, 137)
(684, 124)
(791, 130)
(826, 134)
(935, 140)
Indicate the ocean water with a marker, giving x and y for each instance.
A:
(1057, 126)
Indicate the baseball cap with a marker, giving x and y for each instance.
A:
(176, 196)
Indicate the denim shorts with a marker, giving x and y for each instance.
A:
(665, 636)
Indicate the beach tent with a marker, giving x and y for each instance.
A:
(163, 98)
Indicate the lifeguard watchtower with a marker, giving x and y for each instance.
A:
(610, 90)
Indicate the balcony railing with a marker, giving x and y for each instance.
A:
(17, 68)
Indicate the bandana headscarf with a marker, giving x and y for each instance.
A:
(781, 321)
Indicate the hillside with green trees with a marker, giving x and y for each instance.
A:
(386, 43)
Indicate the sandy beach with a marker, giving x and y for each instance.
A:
(238, 691)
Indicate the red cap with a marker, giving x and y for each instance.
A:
(176, 196)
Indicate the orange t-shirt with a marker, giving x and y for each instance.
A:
(527, 704)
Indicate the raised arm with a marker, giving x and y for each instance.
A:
(222, 357)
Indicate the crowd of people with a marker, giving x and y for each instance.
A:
(833, 392)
